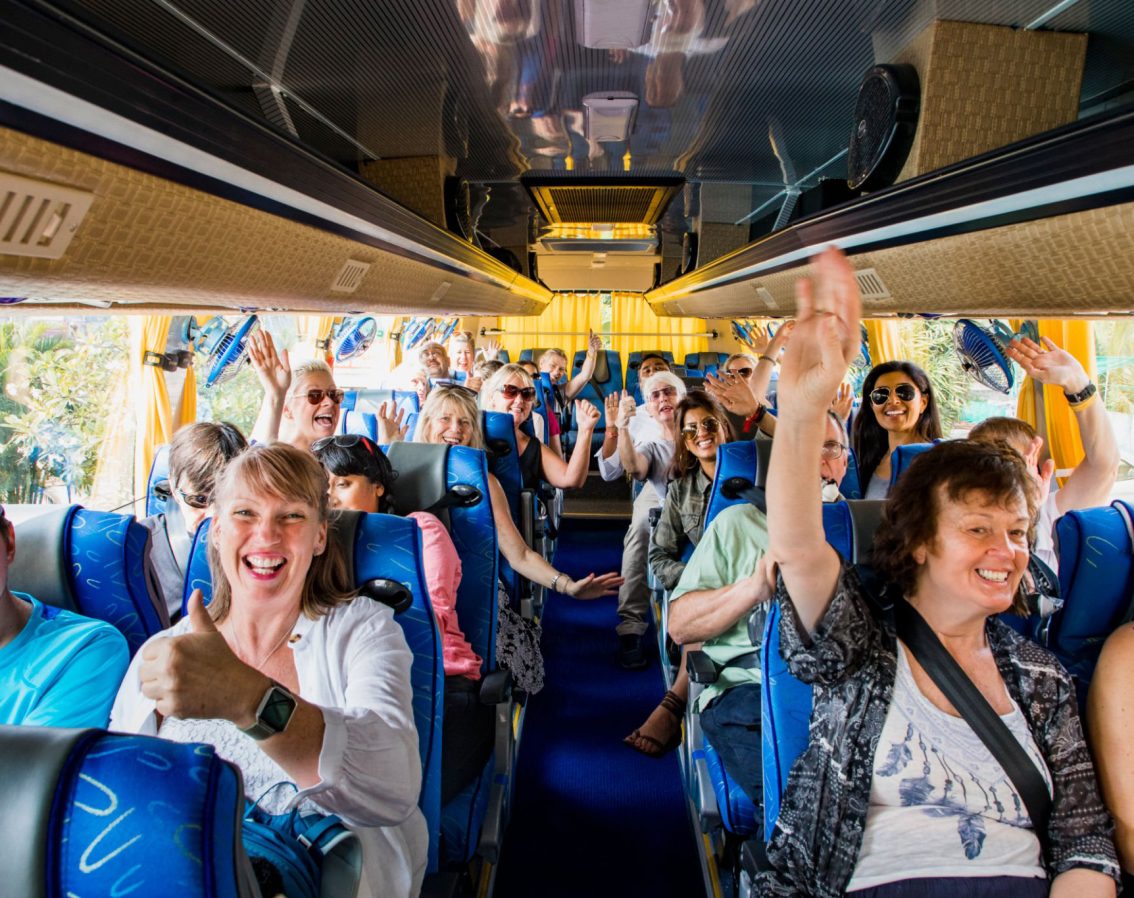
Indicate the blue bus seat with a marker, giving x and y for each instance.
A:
(850, 486)
(504, 465)
(902, 457)
(95, 563)
(385, 547)
(741, 466)
(360, 408)
(634, 362)
(1096, 578)
(504, 356)
(702, 361)
(474, 821)
(607, 379)
(174, 808)
(158, 487)
(785, 701)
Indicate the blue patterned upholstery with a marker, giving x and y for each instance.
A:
(106, 569)
(903, 456)
(386, 546)
(738, 814)
(634, 362)
(850, 486)
(702, 361)
(500, 427)
(360, 407)
(1096, 578)
(159, 471)
(145, 816)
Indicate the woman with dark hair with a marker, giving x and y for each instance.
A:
(897, 793)
(305, 690)
(702, 426)
(362, 479)
(902, 410)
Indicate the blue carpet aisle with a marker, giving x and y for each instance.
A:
(593, 818)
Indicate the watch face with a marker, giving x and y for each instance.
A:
(278, 709)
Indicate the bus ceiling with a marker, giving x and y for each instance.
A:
(442, 156)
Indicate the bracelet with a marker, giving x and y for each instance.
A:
(1082, 396)
(1086, 403)
(756, 417)
(555, 580)
(765, 358)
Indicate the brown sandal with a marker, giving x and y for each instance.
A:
(655, 748)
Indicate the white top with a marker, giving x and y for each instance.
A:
(649, 439)
(877, 488)
(940, 804)
(1045, 533)
(355, 665)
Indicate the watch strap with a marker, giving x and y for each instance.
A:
(1083, 395)
(273, 713)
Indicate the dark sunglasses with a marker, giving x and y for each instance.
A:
(343, 441)
(511, 391)
(194, 500)
(905, 392)
(316, 396)
(741, 372)
(711, 425)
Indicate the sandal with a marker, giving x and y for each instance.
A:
(654, 747)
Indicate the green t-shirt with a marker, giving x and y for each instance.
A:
(729, 551)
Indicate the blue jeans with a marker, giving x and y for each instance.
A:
(731, 723)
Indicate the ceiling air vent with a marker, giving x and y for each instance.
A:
(765, 296)
(37, 218)
(350, 276)
(870, 285)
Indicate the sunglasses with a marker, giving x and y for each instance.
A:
(905, 392)
(832, 450)
(343, 441)
(316, 396)
(711, 426)
(511, 391)
(194, 500)
(741, 372)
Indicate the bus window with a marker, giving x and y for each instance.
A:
(1114, 353)
(66, 414)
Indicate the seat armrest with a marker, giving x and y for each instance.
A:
(702, 669)
(496, 687)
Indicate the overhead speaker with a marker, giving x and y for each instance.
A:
(885, 122)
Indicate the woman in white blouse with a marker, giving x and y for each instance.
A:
(288, 677)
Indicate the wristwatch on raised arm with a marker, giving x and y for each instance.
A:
(1082, 396)
(273, 713)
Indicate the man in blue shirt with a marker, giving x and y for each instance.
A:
(56, 668)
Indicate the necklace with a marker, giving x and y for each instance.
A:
(275, 648)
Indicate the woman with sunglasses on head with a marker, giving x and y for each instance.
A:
(300, 405)
(198, 454)
(512, 391)
(701, 427)
(362, 479)
(902, 410)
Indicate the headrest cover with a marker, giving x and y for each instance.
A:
(602, 369)
(342, 527)
(422, 469)
(43, 564)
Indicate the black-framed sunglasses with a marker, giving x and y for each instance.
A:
(343, 441)
(316, 396)
(741, 372)
(905, 392)
(711, 425)
(194, 500)
(511, 391)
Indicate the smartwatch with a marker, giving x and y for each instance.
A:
(273, 713)
(1082, 396)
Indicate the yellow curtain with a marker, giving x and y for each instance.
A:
(1063, 441)
(576, 312)
(154, 416)
(883, 338)
(312, 329)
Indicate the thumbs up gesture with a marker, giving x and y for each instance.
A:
(197, 675)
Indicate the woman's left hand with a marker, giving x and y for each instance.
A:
(389, 420)
(592, 587)
(734, 393)
(1049, 364)
(197, 676)
(586, 414)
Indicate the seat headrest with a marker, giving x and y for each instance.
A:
(602, 368)
(422, 475)
(342, 525)
(42, 565)
(866, 515)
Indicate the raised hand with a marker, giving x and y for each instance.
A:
(843, 402)
(490, 350)
(734, 394)
(196, 674)
(610, 403)
(1041, 474)
(627, 408)
(1048, 364)
(780, 340)
(594, 341)
(274, 371)
(592, 587)
(474, 383)
(826, 337)
(390, 426)
(586, 415)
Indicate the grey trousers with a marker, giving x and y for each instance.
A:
(634, 594)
